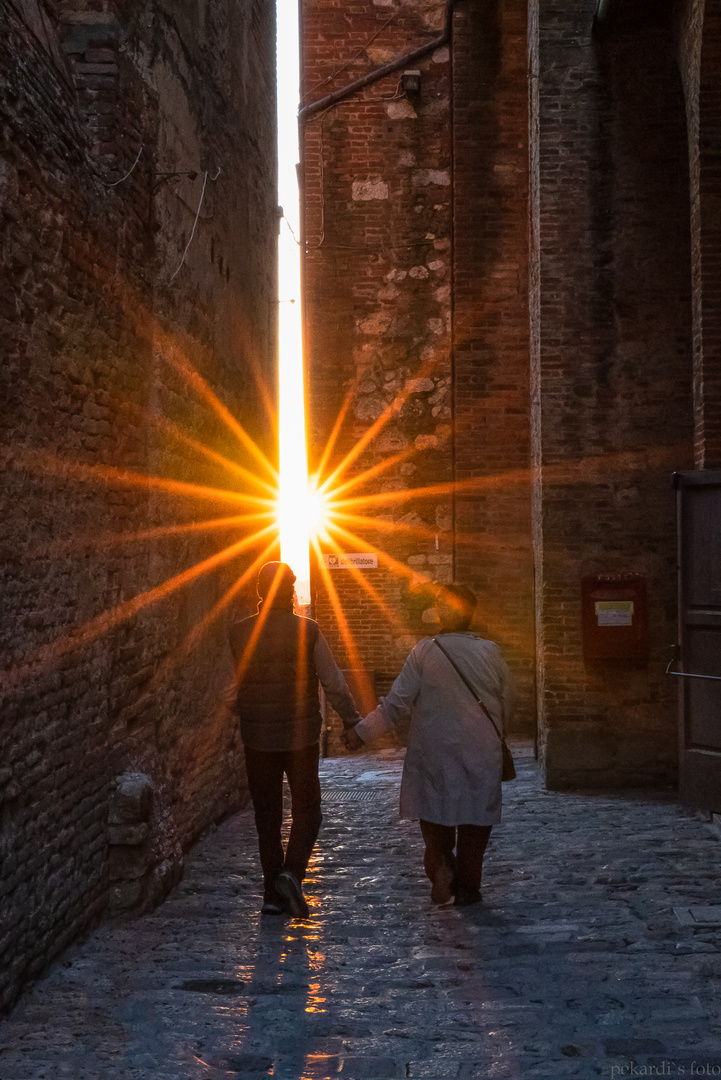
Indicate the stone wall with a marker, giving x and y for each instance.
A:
(611, 369)
(109, 347)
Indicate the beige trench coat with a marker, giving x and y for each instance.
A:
(452, 769)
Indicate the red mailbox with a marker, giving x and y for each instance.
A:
(615, 617)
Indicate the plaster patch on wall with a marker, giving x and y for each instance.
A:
(380, 54)
(365, 190)
(405, 643)
(391, 442)
(427, 177)
(370, 408)
(440, 560)
(444, 517)
(401, 110)
(413, 521)
(377, 323)
(434, 17)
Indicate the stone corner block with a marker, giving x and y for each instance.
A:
(132, 799)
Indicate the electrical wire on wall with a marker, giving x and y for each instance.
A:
(127, 175)
(195, 223)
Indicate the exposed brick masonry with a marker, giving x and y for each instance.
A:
(377, 197)
(396, 197)
(89, 320)
(490, 331)
(598, 402)
(613, 368)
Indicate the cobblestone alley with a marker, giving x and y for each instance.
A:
(576, 965)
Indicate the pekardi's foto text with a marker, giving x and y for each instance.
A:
(668, 1068)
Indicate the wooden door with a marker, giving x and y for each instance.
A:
(698, 663)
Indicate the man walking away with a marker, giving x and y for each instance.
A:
(452, 769)
(279, 659)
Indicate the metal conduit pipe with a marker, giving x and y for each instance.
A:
(385, 69)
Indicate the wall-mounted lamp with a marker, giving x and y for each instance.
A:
(411, 82)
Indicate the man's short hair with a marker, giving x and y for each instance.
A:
(276, 577)
(461, 599)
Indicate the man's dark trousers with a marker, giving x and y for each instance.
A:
(265, 770)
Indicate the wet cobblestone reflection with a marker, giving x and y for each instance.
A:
(575, 963)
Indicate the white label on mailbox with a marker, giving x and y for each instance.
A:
(364, 561)
(614, 612)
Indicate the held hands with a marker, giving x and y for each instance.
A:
(352, 740)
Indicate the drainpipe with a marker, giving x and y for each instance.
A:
(385, 69)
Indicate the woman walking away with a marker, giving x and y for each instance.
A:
(452, 771)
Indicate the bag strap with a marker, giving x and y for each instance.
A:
(460, 674)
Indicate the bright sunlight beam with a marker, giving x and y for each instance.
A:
(299, 511)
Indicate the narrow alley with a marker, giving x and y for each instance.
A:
(576, 965)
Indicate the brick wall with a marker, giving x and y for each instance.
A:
(411, 204)
(94, 328)
(699, 39)
(377, 201)
(571, 341)
(611, 327)
(689, 37)
(491, 335)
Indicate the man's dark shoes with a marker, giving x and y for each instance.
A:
(464, 898)
(271, 908)
(290, 889)
(442, 889)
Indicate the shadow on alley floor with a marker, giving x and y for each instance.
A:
(576, 965)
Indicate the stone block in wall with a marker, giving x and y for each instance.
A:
(575, 750)
(128, 834)
(145, 859)
(126, 863)
(163, 879)
(132, 799)
(125, 896)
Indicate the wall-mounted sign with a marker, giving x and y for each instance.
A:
(614, 612)
(364, 561)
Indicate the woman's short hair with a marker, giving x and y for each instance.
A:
(462, 600)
